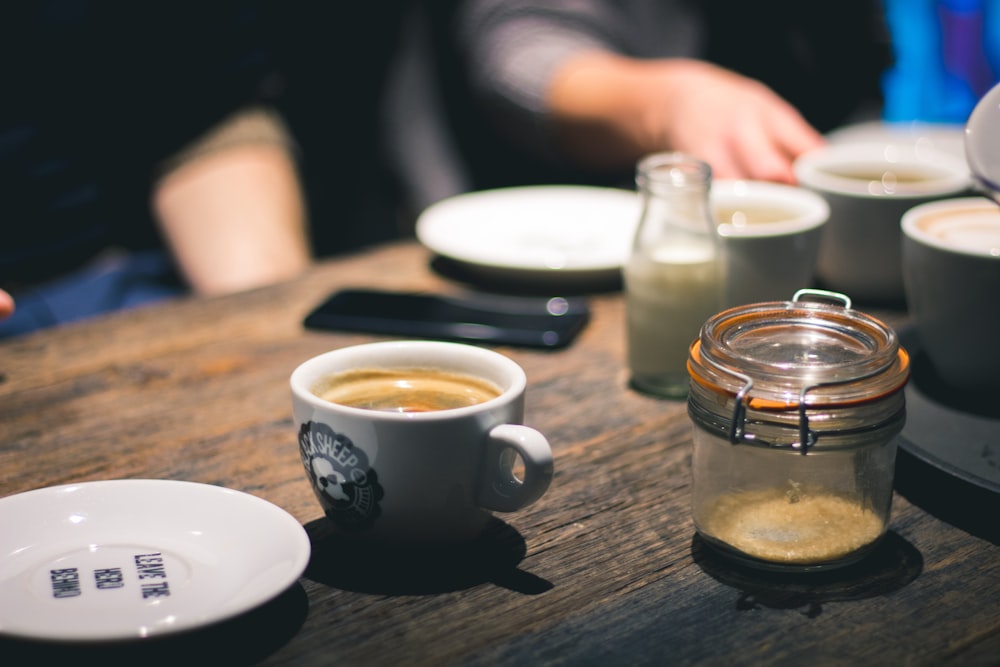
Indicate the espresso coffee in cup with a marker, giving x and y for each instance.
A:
(416, 441)
(951, 271)
(405, 389)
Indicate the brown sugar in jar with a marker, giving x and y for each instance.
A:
(803, 529)
(797, 407)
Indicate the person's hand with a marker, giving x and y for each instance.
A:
(6, 305)
(738, 125)
(612, 110)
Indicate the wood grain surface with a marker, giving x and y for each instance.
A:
(605, 569)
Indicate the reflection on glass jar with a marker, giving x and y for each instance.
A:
(797, 407)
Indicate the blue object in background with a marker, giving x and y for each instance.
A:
(115, 283)
(947, 55)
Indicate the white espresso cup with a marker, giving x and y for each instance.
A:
(951, 271)
(868, 187)
(395, 475)
(771, 234)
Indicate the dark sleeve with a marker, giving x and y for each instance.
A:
(96, 93)
(509, 50)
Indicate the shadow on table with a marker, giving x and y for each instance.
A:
(966, 506)
(893, 564)
(949, 458)
(509, 282)
(971, 401)
(244, 640)
(350, 565)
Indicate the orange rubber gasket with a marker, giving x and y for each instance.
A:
(764, 404)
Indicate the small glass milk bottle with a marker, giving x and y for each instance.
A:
(674, 277)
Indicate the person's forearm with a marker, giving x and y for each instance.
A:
(235, 218)
(600, 108)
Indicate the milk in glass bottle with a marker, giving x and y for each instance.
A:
(674, 277)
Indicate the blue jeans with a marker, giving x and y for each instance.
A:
(109, 284)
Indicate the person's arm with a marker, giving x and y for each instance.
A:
(609, 110)
(234, 218)
(556, 78)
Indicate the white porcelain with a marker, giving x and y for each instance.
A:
(544, 233)
(945, 137)
(860, 246)
(768, 258)
(951, 265)
(126, 559)
(982, 143)
(419, 477)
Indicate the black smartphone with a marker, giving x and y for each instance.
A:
(544, 322)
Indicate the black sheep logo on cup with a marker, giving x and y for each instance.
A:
(341, 477)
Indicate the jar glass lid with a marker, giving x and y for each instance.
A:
(786, 348)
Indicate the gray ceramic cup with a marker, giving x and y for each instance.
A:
(951, 269)
(770, 234)
(868, 187)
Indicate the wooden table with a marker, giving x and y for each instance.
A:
(605, 569)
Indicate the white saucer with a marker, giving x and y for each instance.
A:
(544, 232)
(138, 558)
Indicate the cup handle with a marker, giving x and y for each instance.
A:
(499, 488)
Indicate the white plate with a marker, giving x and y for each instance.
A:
(137, 558)
(536, 232)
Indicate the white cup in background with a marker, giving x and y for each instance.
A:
(868, 187)
(951, 270)
(771, 235)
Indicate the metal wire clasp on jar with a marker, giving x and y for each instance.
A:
(797, 406)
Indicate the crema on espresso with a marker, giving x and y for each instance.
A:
(405, 389)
